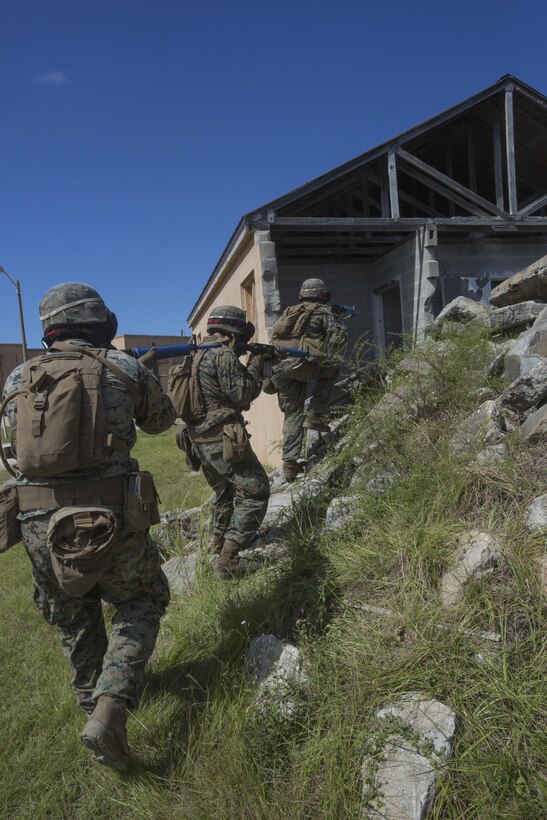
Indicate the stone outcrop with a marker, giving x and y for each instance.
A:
(535, 517)
(528, 350)
(534, 428)
(279, 669)
(528, 390)
(340, 511)
(461, 309)
(477, 555)
(529, 283)
(400, 781)
(483, 427)
(507, 318)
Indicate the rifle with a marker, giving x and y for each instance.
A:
(170, 351)
(346, 311)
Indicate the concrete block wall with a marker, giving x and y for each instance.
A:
(480, 262)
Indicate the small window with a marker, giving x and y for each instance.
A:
(248, 302)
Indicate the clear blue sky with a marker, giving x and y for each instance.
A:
(134, 134)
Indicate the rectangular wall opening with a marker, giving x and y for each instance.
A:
(389, 315)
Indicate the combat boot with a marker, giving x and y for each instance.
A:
(229, 564)
(104, 733)
(313, 421)
(291, 469)
(215, 544)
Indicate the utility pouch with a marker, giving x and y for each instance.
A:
(141, 502)
(236, 444)
(80, 542)
(184, 443)
(267, 384)
(10, 529)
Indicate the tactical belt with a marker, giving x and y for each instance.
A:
(108, 492)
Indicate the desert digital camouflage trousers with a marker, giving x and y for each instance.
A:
(291, 383)
(241, 492)
(137, 589)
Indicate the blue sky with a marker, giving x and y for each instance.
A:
(134, 134)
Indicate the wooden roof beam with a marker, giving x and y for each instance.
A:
(451, 184)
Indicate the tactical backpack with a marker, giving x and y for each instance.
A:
(184, 389)
(59, 423)
(292, 322)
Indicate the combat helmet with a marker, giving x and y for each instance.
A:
(72, 303)
(314, 289)
(228, 318)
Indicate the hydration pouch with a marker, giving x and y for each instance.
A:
(10, 529)
(236, 444)
(141, 502)
(184, 443)
(80, 542)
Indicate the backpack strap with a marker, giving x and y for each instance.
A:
(100, 356)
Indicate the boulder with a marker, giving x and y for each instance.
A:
(490, 456)
(181, 573)
(400, 781)
(340, 511)
(507, 318)
(279, 669)
(483, 427)
(477, 555)
(535, 516)
(529, 283)
(528, 350)
(528, 390)
(534, 428)
(461, 309)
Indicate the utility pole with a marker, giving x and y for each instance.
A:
(17, 287)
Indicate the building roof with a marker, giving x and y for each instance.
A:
(457, 169)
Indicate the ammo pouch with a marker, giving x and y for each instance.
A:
(236, 444)
(141, 502)
(184, 443)
(80, 542)
(10, 529)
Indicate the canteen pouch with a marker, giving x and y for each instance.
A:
(184, 443)
(80, 542)
(236, 444)
(10, 529)
(140, 502)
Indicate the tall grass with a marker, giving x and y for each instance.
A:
(201, 749)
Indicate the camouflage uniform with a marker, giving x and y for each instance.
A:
(325, 338)
(241, 489)
(134, 583)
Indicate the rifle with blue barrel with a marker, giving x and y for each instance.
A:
(345, 311)
(160, 352)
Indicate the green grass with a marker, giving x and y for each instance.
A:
(202, 751)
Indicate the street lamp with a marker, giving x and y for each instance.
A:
(17, 287)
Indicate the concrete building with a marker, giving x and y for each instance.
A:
(449, 207)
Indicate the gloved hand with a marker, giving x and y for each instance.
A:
(147, 359)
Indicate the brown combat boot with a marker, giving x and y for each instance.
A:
(229, 564)
(291, 470)
(104, 733)
(313, 421)
(215, 544)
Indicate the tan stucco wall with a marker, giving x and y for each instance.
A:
(265, 419)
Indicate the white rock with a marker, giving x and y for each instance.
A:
(181, 573)
(279, 669)
(478, 554)
(529, 283)
(528, 390)
(340, 511)
(461, 309)
(404, 779)
(535, 516)
(535, 427)
(483, 427)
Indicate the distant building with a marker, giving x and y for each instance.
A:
(452, 206)
(11, 356)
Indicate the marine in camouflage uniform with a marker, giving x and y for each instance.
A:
(241, 488)
(324, 337)
(134, 583)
